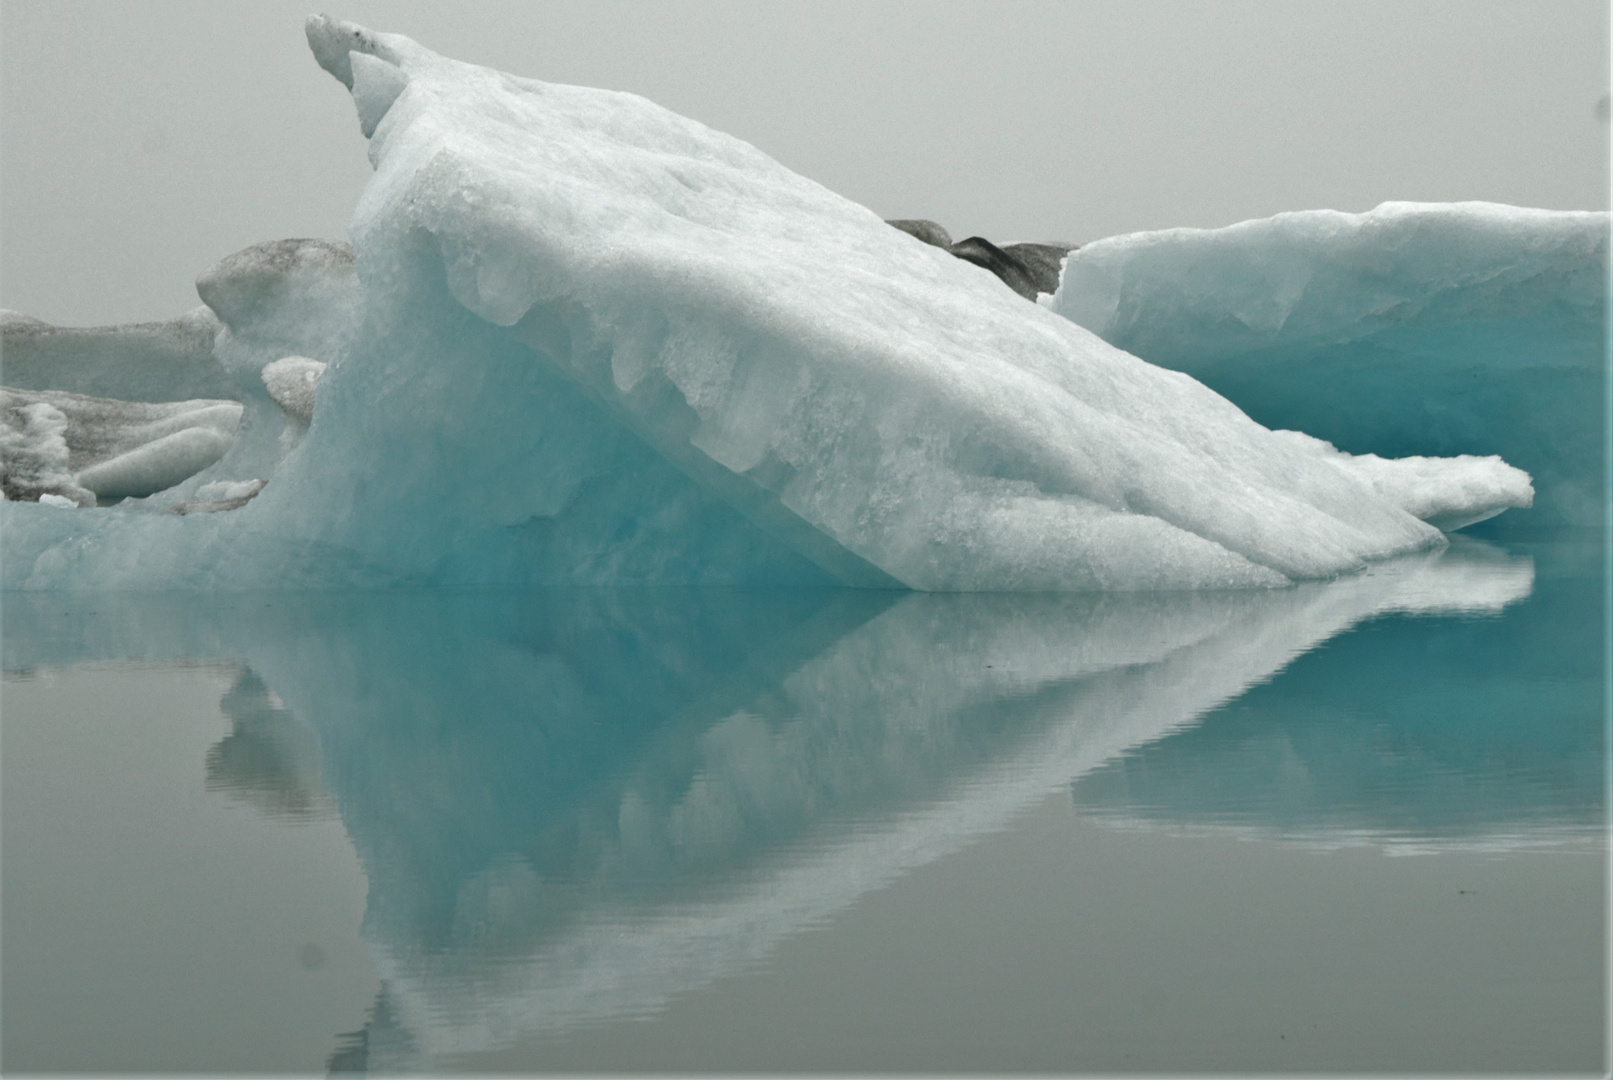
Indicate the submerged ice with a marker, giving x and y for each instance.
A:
(579, 339)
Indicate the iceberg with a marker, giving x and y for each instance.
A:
(1411, 330)
(581, 340)
(162, 361)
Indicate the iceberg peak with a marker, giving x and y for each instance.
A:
(333, 42)
(368, 64)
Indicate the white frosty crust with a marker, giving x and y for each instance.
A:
(161, 361)
(291, 382)
(1448, 493)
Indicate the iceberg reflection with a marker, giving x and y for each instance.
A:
(1409, 735)
(571, 807)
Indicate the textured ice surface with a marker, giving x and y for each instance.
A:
(218, 496)
(81, 448)
(1414, 329)
(1449, 493)
(291, 382)
(34, 454)
(581, 340)
(275, 300)
(164, 361)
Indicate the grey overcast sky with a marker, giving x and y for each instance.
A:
(142, 140)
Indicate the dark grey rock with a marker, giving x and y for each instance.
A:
(927, 231)
(1028, 269)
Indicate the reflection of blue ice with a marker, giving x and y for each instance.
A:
(1407, 732)
(572, 806)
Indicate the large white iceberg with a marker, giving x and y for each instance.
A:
(1413, 329)
(588, 341)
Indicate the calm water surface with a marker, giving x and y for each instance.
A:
(1358, 826)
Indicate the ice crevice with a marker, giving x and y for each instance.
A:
(579, 339)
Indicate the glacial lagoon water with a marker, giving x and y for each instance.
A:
(1356, 826)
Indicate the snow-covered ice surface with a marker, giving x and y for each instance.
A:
(1413, 329)
(582, 340)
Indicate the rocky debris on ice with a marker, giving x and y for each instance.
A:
(155, 361)
(87, 448)
(581, 340)
(1030, 269)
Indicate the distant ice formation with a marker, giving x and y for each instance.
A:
(163, 361)
(1414, 329)
(581, 340)
(87, 448)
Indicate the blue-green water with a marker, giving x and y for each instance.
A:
(1357, 826)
